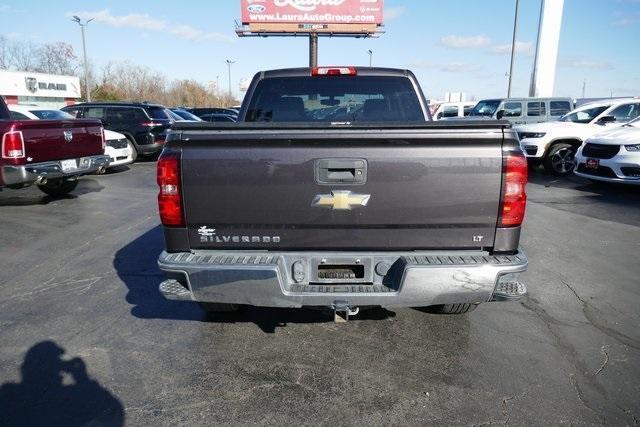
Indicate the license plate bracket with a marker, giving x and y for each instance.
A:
(68, 165)
(592, 163)
(341, 270)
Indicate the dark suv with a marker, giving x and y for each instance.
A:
(145, 125)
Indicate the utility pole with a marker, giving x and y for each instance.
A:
(584, 87)
(229, 63)
(370, 52)
(77, 20)
(313, 50)
(513, 48)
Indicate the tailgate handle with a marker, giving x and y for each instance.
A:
(346, 171)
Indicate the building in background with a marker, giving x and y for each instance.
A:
(45, 90)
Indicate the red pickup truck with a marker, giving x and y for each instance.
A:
(49, 153)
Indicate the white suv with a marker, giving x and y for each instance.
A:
(554, 144)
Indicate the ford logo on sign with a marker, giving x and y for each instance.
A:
(256, 8)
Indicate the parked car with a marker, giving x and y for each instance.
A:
(33, 112)
(118, 147)
(185, 115)
(612, 155)
(218, 118)
(145, 125)
(522, 110)
(294, 209)
(49, 153)
(554, 144)
(201, 111)
(443, 110)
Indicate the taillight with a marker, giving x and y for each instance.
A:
(13, 145)
(169, 197)
(334, 71)
(514, 196)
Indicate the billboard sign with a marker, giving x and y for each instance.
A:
(311, 15)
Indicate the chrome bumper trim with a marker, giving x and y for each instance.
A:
(29, 174)
(413, 279)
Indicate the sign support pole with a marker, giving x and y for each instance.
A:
(313, 50)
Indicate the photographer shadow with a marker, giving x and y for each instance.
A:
(55, 391)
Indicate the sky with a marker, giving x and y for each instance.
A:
(452, 46)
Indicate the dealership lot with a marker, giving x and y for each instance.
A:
(81, 273)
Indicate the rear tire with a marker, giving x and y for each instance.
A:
(560, 160)
(452, 308)
(217, 307)
(58, 187)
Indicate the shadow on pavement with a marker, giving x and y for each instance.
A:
(607, 201)
(117, 169)
(33, 196)
(268, 319)
(55, 391)
(136, 265)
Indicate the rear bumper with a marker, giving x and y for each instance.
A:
(149, 143)
(29, 174)
(391, 279)
(152, 148)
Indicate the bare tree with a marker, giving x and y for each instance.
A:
(23, 56)
(5, 63)
(57, 58)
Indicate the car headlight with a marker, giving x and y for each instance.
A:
(633, 147)
(524, 135)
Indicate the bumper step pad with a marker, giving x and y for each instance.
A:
(509, 291)
(173, 290)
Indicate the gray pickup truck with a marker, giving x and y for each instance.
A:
(335, 189)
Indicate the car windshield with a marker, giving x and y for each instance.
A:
(51, 114)
(174, 116)
(485, 108)
(335, 99)
(158, 113)
(187, 115)
(585, 115)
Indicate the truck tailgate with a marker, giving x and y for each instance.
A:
(45, 140)
(428, 187)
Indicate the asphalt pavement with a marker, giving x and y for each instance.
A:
(86, 337)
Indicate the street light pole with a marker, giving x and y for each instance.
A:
(370, 52)
(77, 20)
(513, 48)
(229, 63)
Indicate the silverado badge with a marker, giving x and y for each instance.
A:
(340, 200)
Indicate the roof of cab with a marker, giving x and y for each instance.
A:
(361, 71)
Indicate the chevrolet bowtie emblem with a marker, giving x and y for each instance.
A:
(340, 199)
